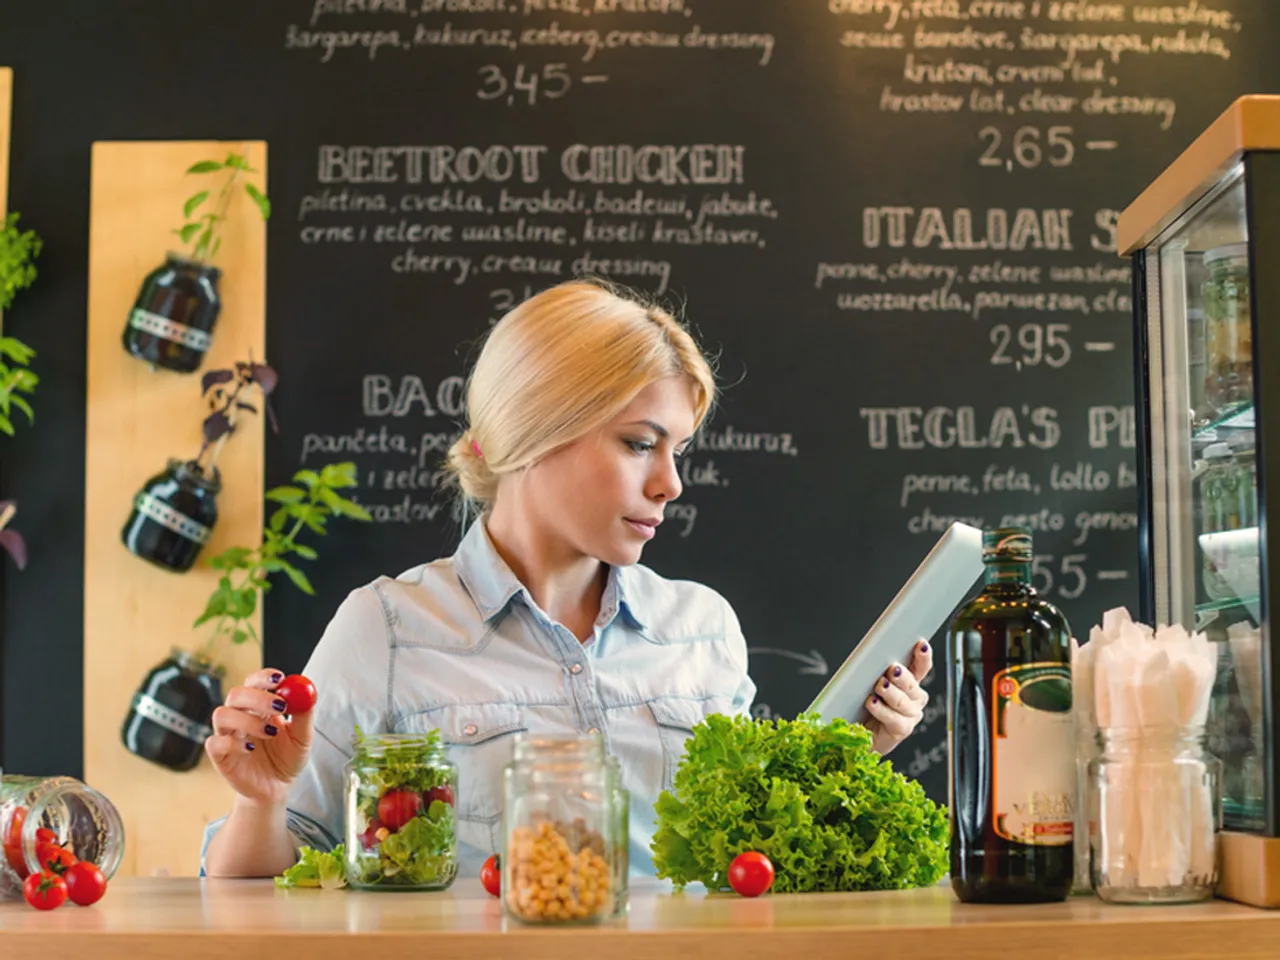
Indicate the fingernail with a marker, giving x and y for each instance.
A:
(279, 706)
(924, 648)
(248, 746)
(875, 699)
(897, 671)
(885, 684)
(277, 677)
(271, 731)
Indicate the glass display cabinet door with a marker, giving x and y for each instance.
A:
(1205, 549)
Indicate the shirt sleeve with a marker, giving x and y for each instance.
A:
(351, 668)
(745, 692)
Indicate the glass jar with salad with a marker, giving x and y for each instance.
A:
(565, 823)
(400, 791)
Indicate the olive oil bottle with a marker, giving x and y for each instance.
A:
(1012, 758)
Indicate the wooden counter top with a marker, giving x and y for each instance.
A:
(191, 919)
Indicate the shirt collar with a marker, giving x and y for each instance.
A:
(492, 584)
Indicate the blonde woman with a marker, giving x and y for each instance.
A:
(581, 404)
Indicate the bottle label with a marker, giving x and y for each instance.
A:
(171, 330)
(1033, 755)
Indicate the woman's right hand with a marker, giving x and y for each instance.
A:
(257, 751)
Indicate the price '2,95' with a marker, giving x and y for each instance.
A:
(1039, 343)
(523, 84)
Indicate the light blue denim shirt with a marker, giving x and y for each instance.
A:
(459, 645)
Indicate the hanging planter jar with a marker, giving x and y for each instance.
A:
(169, 719)
(173, 515)
(171, 324)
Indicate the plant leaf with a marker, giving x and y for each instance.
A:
(264, 376)
(190, 206)
(15, 546)
(205, 166)
(22, 405)
(216, 425)
(279, 519)
(212, 378)
(300, 580)
(16, 350)
(305, 552)
(286, 494)
(240, 636)
(339, 475)
(309, 477)
(258, 197)
(189, 231)
(349, 508)
(6, 426)
(241, 405)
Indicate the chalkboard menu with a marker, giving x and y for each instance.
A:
(891, 221)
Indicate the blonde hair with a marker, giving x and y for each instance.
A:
(556, 367)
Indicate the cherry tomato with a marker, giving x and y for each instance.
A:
(398, 807)
(369, 838)
(85, 883)
(13, 836)
(298, 692)
(16, 860)
(53, 858)
(443, 793)
(44, 891)
(751, 873)
(491, 875)
(45, 835)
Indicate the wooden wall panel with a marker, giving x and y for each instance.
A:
(136, 419)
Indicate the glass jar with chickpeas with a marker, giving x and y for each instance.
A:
(564, 833)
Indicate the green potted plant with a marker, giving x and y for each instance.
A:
(170, 715)
(171, 323)
(18, 248)
(174, 513)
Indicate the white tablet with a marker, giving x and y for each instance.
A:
(925, 602)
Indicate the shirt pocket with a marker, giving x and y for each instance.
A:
(676, 717)
(479, 739)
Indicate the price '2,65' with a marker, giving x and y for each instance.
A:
(521, 83)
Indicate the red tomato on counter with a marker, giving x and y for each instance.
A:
(751, 873)
(85, 883)
(44, 891)
(491, 875)
(298, 692)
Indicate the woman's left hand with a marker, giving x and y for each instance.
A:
(898, 701)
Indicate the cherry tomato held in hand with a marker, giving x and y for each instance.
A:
(298, 692)
(44, 891)
(491, 876)
(443, 793)
(398, 807)
(751, 873)
(85, 883)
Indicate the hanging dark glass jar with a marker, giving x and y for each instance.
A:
(171, 323)
(169, 719)
(173, 516)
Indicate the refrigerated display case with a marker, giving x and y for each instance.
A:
(1205, 245)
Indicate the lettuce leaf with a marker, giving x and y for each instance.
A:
(422, 850)
(815, 798)
(316, 869)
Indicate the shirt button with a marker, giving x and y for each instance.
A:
(576, 668)
(469, 729)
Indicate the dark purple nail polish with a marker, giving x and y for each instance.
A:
(885, 684)
(277, 677)
(924, 648)
(875, 699)
(897, 671)
(249, 746)
(270, 730)
(279, 706)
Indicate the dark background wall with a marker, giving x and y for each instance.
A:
(896, 237)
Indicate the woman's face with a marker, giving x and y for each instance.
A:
(602, 496)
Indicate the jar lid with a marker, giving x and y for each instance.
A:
(1236, 255)
(567, 748)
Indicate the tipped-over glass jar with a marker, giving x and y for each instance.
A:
(564, 821)
(1157, 806)
(82, 820)
(400, 795)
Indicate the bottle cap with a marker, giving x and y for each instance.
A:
(1007, 543)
